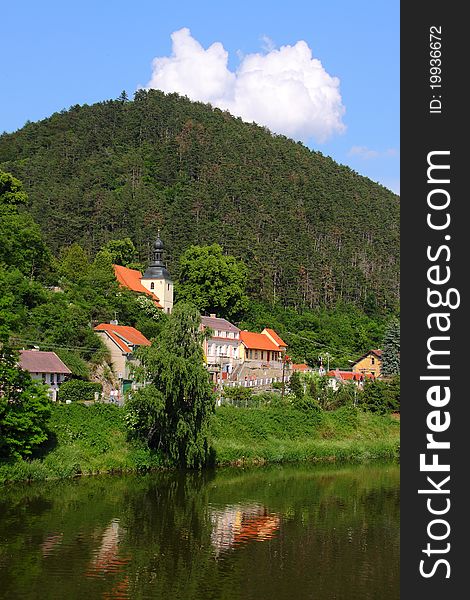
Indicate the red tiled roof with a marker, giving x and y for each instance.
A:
(276, 338)
(300, 367)
(36, 361)
(124, 336)
(130, 278)
(349, 375)
(257, 341)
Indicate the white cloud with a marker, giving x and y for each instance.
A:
(286, 90)
(368, 153)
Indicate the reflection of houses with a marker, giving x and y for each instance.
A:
(122, 341)
(369, 363)
(221, 349)
(46, 367)
(155, 282)
(240, 524)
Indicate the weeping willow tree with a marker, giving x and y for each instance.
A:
(173, 412)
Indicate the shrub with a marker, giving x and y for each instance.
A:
(77, 390)
(381, 396)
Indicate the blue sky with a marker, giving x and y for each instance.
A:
(58, 54)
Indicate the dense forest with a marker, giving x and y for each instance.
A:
(311, 232)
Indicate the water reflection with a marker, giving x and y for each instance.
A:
(240, 524)
(267, 534)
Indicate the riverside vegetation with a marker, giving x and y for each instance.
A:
(86, 440)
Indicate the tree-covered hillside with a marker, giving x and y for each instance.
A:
(310, 231)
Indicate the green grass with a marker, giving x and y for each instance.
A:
(259, 435)
(87, 440)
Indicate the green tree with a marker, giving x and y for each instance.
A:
(381, 396)
(73, 263)
(24, 408)
(391, 349)
(213, 281)
(173, 413)
(122, 251)
(296, 385)
(21, 242)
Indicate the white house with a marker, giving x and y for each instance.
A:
(46, 367)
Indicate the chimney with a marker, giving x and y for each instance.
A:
(114, 322)
(213, 316)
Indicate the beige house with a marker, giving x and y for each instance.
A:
(122, 341)
(46, 367)
(369, 363)
(222, 348)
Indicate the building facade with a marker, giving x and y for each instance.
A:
(46, 367)
(122, 341)
(222, 348)
(369, 363)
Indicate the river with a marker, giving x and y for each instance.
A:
(289, 532)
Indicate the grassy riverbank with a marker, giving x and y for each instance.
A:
(88, 440)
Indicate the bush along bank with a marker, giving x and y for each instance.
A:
(87, 440)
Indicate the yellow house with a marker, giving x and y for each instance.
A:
(369, 363)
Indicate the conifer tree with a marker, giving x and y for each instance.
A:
(391, 349)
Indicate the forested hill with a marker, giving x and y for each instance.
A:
(311, 231)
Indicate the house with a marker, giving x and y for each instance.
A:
(156, 282)
(369, 363)
(272, 335)
(222, 348)
(46, 367)
(122, 341)
(338, 377)
(261, 347)
(301, 368)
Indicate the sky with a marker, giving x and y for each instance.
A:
(325, 73)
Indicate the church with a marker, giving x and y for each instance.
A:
(156, 281)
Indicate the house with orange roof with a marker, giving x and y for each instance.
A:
(261, 347)
(337, 377)
(155, 283)
(122, 341)
(369, 363)
(301, 367)
(273, 336)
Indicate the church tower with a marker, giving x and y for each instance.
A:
(156, 278)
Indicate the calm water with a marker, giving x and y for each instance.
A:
(291, 532)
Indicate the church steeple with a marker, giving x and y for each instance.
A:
(157, 268)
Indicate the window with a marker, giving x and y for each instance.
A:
(168, 287)
(152, 286)
(256, 354)
(373, 360)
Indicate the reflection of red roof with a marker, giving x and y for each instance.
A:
(257, 341)
(349, 375)
(130, 278)
(36, 361)
(124, 336)
(276, 338)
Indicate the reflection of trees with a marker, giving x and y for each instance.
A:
(326, 533)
